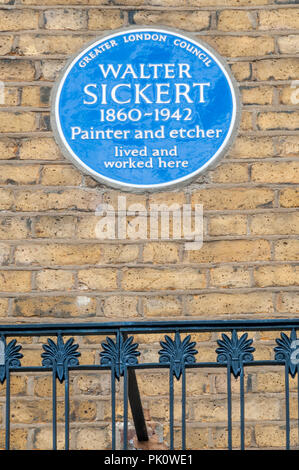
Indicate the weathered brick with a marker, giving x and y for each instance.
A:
(235, 20)
(17, 122)
(105, 19)
(187, 20)
(162, 306)
(146, 279)
(242, 46)
(280, 275)
(284, 18)
(56, 307)
(230, 276)
(42, 438)
(234, 198)
(269, 172)
(65, 19)
(230, 173)
(43, 44)
(8, 149)
(289, 197)
(19, 174)
(230, 251)
(57, 254)
(288, 44)
(270, 435)
(56, 279)
(116, 306)
(42, 200)
(276, 69)
(15, 281)
(230, 304)
(18, 439)
(39, 149)
(58, 227)
(228, 225)
(60, 175)
(288, 146)
(257, 95)
(4, 307)
(288, 302)
(103, 279)
(241, 70)
(278, 120)
(14, 228)
(93, 438)
(6, 43)
(287, 250)
(11, 97)
(50, 69)
(119, 253)
(11, 70)
(289, 95)
(14, 20)
(159, 253)
(35, 96)
(252, 147)
(275, 224)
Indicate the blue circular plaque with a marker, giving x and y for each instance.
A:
(145, 108)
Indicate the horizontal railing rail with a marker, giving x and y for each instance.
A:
(120, 355)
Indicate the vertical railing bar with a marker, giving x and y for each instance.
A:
(66, 407)
(242, 414)
(7, 410)
(113, 405)
(171, 407)
(54, 409)
(287, 398)
(183, 407)
(229, 406)
(125, 424)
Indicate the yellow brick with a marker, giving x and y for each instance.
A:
(288, 302)
(121, 307)
(257, 95)
(18, 439)
(278, 120)
(284, 18)
(289, 95)
(19, 174)
(270, 382)
(58, 227)
(14, 228)
(50, 279)
(6, 199)
(11, 70)
(241, 70)
(57, 254)
(288, 44)
(289, 197)
(270, 436)
(41, 200)
(288, 146)
(11, 97)
(103, 279)
(197, 438)
(15, 281)
(286, 172)
(162, 306)
(6, 43)
(242, 46)
(66, 19)
(248, 147)
(231, 251)
(272, 224)
(35, 96)
(105, 19)
(228, 225)
(42, 438)
(17, 122)
(3, 307)
(280, 275)
(230, 304)
(14, 20)
(230, 276)
(114, 254)
(147, 279)
(186, 20)
(50, 69)
(246, 121)
(234, 198)
(61, 175)
(276, 69)
(33, 45)
(93, 438)
(230, 173)
(287, 250)
(235, 20)
(39, 149)
(8, 149)
(161, 253)
(56, 307)
(220, 437)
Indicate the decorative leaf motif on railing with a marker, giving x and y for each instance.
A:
(119, 354)
(177, 353)
(284, 351)
(9, 356)
(60, 356)
(234, 351)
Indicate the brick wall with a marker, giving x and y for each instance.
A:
(53, 267)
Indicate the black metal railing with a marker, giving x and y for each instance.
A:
(178, 353)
